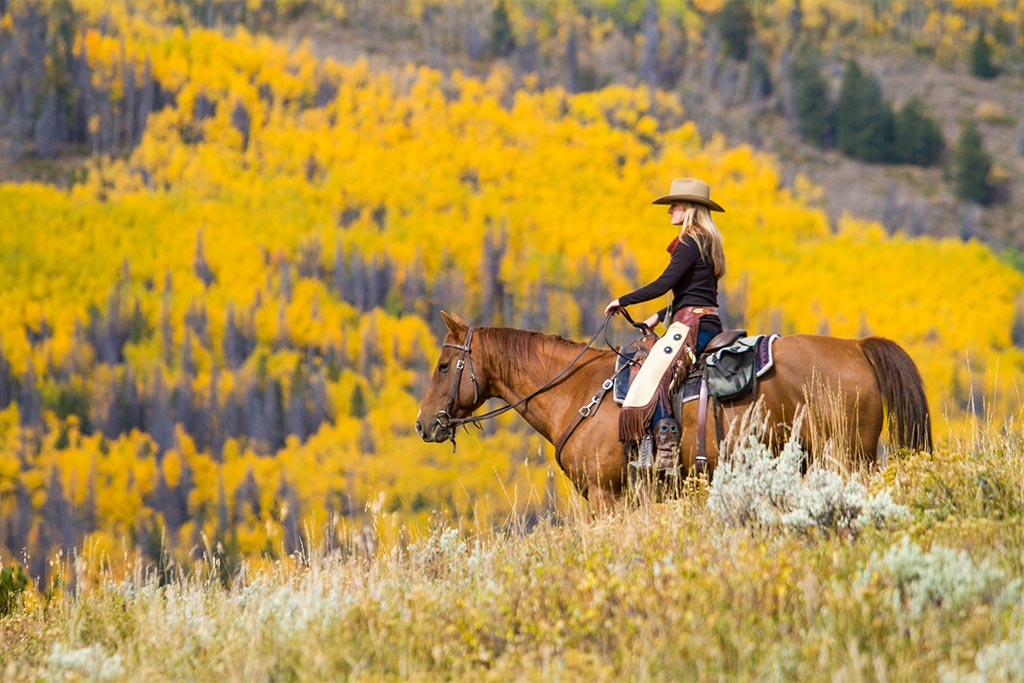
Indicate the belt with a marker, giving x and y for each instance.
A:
(687, 313)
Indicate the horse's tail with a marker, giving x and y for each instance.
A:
(910, 424)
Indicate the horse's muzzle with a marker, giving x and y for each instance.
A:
(435, 432)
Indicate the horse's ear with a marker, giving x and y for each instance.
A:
(454, 323)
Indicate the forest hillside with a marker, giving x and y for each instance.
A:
(224, 251)
(769, 74)
(765, 73)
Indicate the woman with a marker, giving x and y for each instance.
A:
(696, 265)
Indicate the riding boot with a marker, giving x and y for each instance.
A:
(666, 456)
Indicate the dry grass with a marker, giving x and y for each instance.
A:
(657, 592)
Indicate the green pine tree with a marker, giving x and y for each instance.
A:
(971, 166)
(502, 40)
(810, 93)
(736, 26)
(864, 119)
(919, 139)
(981, 57)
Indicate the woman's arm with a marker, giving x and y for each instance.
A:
(614, 307)
(683, 259)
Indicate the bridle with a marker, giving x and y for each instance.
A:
(444, 417)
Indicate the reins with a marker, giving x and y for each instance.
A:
(444, 417)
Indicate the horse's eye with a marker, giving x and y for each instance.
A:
(443, 367)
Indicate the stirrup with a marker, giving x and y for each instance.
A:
(641, 462)
(645, 452)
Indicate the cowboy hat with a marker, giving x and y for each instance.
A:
(689, 190)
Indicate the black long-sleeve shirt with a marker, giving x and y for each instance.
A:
(690, 277)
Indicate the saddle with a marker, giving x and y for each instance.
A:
(727, 370)
(632, 355)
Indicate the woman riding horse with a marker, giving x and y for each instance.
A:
(696, 265)
(846, 386)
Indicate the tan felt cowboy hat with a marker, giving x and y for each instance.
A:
(689, 190)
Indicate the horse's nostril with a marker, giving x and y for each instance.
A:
(419, 427)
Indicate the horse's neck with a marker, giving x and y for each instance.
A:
(520, 362)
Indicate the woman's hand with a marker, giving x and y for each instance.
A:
(612, 307)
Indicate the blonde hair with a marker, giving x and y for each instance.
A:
(698, 223)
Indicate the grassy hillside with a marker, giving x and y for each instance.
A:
(928, 589)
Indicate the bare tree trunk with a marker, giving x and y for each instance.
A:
(572, 67)
(673, 65)
(47, 133)
(651, 32)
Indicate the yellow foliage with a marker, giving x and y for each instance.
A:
(414, 170)
(989, 111)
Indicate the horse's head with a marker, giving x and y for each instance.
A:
(456, 389)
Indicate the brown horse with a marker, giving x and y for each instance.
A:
(847, 386)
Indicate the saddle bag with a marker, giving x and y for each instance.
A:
(731, 372)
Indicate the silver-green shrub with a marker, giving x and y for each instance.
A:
(751, 488)
(754, 488)
(916, 580)
(1002, 662)
(823, 500)
(86, 663)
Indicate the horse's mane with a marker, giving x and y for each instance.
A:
(520, 343)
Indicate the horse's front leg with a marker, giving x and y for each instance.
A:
(608, 486)
(599, 481)
(595, 464)
(603, 500)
